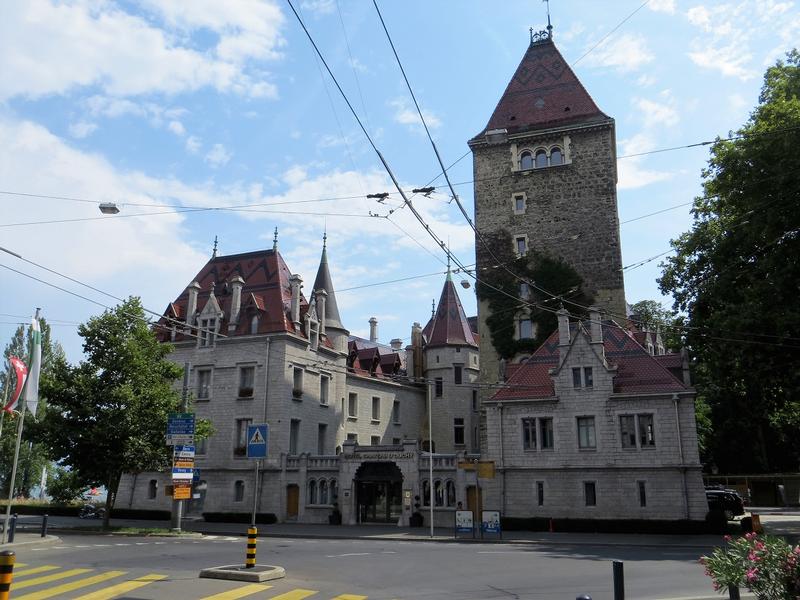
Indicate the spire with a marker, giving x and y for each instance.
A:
(544, 92)
(214, 251)
(449, 324)
(549, 25)
(323, 281)
(275, 241)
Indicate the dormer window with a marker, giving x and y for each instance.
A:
(525, 161)
(207, 332)
(254, 325)
(556, 157)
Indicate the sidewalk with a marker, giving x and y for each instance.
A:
(29, 539)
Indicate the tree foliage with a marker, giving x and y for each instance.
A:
(508, 302)
(735, 276)
(108, 415)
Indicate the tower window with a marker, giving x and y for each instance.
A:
(521, 245)
(526, 329)
(525, 161)
(556, 157)
(518, 203)
(541, 159)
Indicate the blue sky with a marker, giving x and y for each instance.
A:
(215, 105)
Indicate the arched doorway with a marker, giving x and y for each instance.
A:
(379, 491)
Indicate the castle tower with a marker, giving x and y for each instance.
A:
(545, 175)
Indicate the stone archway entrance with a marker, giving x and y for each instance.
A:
(379, 490)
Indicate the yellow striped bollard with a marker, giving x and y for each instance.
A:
(7, 559)
(250, 560)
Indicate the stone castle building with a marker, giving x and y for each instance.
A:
(598, 422)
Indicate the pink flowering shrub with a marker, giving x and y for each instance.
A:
(767, 566)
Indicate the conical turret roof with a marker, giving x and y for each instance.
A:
(449, 325)
(323, 281)
(544, 92)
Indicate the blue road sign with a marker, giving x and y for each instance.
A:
(180, 424)
(257, 440)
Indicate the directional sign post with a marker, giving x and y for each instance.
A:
(257, 438)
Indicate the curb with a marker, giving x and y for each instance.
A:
(50, 539)
(187, 535)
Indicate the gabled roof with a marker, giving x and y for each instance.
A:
(637, 372)
(449, 326)
(324, 281)
(544, 92)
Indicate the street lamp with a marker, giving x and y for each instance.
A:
(109, 208)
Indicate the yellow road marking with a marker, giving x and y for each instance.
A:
(71, 586)
(297, 594)
(350, 597)
(20, 564)
(121, 588)
(34, 570)
(240, 592)
(48, 578)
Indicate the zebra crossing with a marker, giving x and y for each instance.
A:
(39, 582)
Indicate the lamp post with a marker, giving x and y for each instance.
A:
(430, 451)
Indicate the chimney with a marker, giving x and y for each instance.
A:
(236, 301)
(321, 296)
(596, 324)
(191, 305)
(296, 283)
(373, 329)
(416, 346)
(396, 344)
(687, 378)
(563, 327)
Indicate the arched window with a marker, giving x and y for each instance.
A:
(438, 493)
(254, 324)
(152, 489)
(334, 492)
(556, 158)
(426, 493)
(312, 492)
(541, 159)
(525, 161)
(323, 491)
(451, 493)
(238, 491)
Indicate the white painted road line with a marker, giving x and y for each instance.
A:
(349, 554)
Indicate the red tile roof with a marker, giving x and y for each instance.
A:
(450, 324)
(637, 371)
(544, 92)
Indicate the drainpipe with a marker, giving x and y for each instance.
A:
(502, 462)
(266, 379)
(675, 402)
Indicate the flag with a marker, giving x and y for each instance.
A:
(32, 387)
(22, 374)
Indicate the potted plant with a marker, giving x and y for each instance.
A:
(765, 565)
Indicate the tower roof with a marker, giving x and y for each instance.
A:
(449, 325)
(324, 281)
(544, 92)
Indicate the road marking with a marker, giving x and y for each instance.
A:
(349, 554)
(239, 592)
(71, 586)
(350, 597)
(102, 545)
(34, 570)
(122, 544)
(297, 594)
(88, 546)
(142, 543)
(49, 578)
(121, 588)
(211, 537)
(388, 552)
(160, 543)
(61, 547)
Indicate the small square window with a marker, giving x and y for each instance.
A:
(590, 493)
(352, 437)
(396, 441)
(519, 204)
(525, 329)
(375, 440)
(521, 245)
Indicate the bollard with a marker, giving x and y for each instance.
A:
(584, 597)
(250, 560)
(619, 581)
(44, 525)
(12, 528)
(733, 593)
(757, 527)
(7, 559)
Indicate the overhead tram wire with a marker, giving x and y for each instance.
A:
(353, 65)
(607, 35)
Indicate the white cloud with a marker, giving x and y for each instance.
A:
(193, 144)
(319, 7)
(631, 172)
(625, 53)
(177, 128)
(729, 60)
(646, 80)
(656, 113)
(406, 114)
(666, 6)
(357, 65)
(218, 156)
(82, 129)
(52, 48)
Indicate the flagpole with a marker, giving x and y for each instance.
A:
(23, 401)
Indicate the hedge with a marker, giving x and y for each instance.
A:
(238, 517)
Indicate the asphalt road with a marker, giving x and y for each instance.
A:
(373, 569)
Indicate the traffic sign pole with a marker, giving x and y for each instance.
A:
(177, 505)
(255, 496)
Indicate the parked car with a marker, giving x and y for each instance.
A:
(727, 501)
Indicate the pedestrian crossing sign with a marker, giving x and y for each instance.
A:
(257, 440)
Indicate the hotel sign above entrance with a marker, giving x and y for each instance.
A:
(380, 456)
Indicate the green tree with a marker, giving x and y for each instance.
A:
(658, 318)
(734, 276)
(108, 415)
(33, 455)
